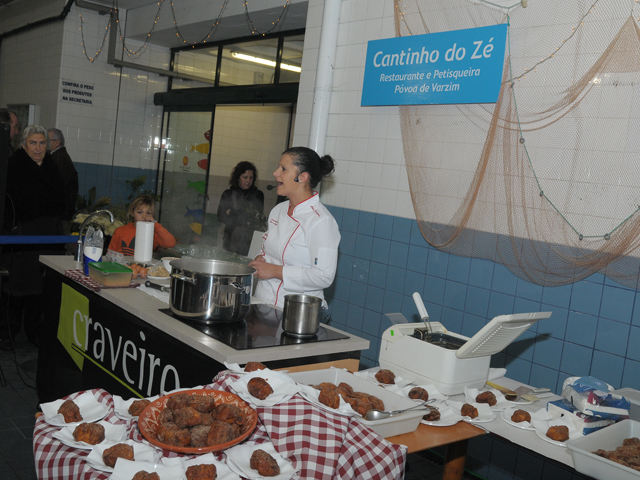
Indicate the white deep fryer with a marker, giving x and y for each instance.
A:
(414, 351)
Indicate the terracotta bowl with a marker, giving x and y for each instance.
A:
(149, 424)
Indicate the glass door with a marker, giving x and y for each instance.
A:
(200, 152)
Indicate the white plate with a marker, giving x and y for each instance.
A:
(159, 279)
(371, 376)
(284, 387)
(90, 409)
(126, 469)
(223, 472)
(141, 453)
(501, 402)
(485, 414)
(447, 416)
(112, 434)
(238, 458)
(548, 440)
(506, 416)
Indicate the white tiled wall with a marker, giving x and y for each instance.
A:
(364, 141)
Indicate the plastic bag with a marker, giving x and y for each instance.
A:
(93, 244)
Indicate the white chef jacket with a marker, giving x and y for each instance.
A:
(306, 245)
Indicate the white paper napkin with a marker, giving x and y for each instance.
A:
(370, 375)
(121, 406)
(164, 296)
(141, 453)
(238, 459)
(126, 469)
(284, 387)
(541, 421)
(90, 409)
(433, 392)
(112, 434)
(312, 395)
(501, 402)
(448, 416)
(223, 472)
(484, 412)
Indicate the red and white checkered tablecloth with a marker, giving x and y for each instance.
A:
(81, 278)
(319, 444)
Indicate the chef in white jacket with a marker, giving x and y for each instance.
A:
(300, 248)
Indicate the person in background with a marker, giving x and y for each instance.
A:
(241, 209)
(141, 210)
(9, 117)
(34, 205)
(300, 249)
(68, 171)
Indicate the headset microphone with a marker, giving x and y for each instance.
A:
(296, 179)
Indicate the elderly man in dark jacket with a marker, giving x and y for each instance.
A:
(67, 170)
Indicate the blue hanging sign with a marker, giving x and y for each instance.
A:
(460, 66)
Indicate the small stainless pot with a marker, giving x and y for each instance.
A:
(210, 291)
(301, 315)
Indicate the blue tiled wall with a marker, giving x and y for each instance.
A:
(111, 181)
(594, 328)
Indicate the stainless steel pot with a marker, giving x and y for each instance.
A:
(210, 291)
(301, 315)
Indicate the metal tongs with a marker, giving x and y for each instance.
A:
(424, 316)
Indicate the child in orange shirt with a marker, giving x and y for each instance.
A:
(140, 210)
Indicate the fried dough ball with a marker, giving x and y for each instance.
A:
(521, 416)
(201, 403)
(142, 475)
(91, 433)
(186, 417)
(432, 416)
(559, 433)
(376, 402)
(138, 406)
(363, 405)
(177, 401)
(166, 416)
(172, 434)
(469, 411)
(202, 472)
(487, 397)
(264, 463)
(222, 432)
(70, 411)
(345, 389)
(206, 418)
(199, 435)
(418, 393)
(259, 388)
(386, 376)
(329, 397)
(119, 450)
(231, 414)
(253, 366)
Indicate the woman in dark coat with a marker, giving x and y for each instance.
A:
(33, 206)
(241, 209)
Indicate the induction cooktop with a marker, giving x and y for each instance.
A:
(261, 328)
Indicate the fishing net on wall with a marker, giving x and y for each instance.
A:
(547, 180)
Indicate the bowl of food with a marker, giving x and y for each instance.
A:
(166, 261)
(197, 421)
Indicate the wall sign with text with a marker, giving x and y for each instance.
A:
(77, 92)
(460, 66)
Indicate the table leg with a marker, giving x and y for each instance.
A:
(454, 460)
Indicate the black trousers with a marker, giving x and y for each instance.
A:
(15, 309)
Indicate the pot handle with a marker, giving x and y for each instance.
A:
(190, 280)
(233, 287)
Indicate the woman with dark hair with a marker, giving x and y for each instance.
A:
(241, 209)
(300, 249)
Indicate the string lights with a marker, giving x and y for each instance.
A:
(130, 52)
(252, 27)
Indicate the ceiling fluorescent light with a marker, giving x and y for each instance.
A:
(264, 61)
